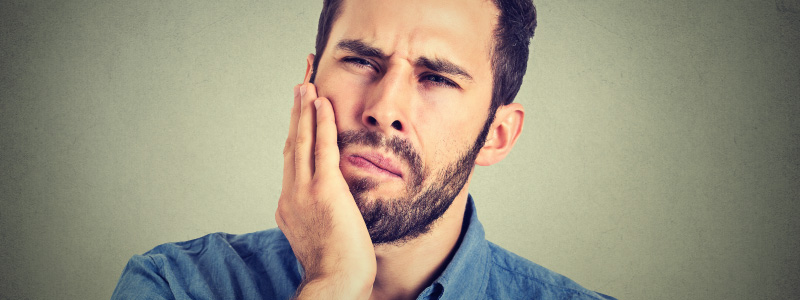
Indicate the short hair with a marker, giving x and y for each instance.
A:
(515, 27)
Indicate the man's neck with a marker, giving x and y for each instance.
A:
(405, 270)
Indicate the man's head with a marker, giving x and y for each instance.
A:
(416, 86)
(515, 27)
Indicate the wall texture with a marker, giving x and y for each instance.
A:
(660, 157)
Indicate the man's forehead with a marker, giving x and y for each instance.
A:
(454, 29)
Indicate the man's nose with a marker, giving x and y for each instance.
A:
(387, 106)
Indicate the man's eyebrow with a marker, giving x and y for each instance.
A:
(443, 66)
(360, 48)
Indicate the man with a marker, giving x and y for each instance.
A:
(399, 103)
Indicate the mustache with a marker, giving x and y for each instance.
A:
(400, 147)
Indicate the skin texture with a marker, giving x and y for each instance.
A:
(439, 114)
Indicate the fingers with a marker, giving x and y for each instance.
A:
(288, 148)
(304, 140)
(326, 153)
(295, 116)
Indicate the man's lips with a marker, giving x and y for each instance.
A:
(375, 162)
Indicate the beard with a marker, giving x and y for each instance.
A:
(400, 219)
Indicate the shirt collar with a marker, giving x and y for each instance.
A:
(465, 275)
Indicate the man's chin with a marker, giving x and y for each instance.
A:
(367, 190)
(369, 187)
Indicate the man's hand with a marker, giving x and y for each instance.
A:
(316, 211)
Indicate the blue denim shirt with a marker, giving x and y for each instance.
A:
(261, 265)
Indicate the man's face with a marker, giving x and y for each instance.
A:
(410, 83)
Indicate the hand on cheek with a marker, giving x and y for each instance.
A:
(316, 211)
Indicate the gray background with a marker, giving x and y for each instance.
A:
(660, 157)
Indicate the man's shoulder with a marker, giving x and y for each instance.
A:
(512, 276)
(255, 243)
(254, 265)
(266, 251)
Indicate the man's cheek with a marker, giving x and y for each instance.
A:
(346, 115)
(338, 115)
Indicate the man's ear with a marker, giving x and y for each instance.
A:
(502, 135)
(309, 67)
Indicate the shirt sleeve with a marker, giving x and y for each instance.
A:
(141, 279)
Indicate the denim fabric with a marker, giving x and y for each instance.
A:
(261, 265)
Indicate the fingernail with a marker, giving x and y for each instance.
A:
(316, 103)
(303, 90)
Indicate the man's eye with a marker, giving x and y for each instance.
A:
(438, 80)
(359, 62)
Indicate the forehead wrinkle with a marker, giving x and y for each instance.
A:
(420, 33)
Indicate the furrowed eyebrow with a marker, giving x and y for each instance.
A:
(443, 66)
(360, 48)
